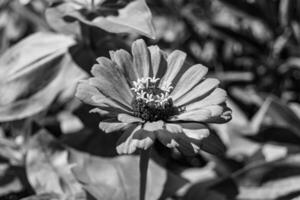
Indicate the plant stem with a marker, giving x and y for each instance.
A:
(144, 161)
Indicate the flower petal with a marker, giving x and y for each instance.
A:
(91, 95)
(124, 61)
(173, 137)
(196, 131)
(200, 115)
(103, 112)
(125, 138)
(176, 140)
(111, 125)
(107, 72)
(85, 92)
(218, 96)
(109, 90)
(158, 62)
(153, 126)
(141, 58)
(218, 117)
(197, 134)
(128, 118)
(175, 62)
(108, 104)
(198, 92)
(133, 139)
(188, 80)
(144, 138)
(208, 114)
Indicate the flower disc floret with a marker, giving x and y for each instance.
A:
(151, 103)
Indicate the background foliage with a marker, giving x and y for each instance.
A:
(252, 46)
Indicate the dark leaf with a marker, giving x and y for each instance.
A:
(213, 144)
(46, 196)
(280, 135)
(270, 180)
(116, 178)
(247, 39)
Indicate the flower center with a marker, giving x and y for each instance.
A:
(152, 103)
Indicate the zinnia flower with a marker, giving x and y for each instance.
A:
(154, 97)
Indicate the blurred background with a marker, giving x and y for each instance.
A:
(252, 46)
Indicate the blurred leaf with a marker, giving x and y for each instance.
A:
(49, 170)
(49, 166)
(54, 17)
(200, 174)
(225, 189)
(213, 144)
(175, 185)
(47, 196)
(135, 16)
(239, 36)
(271, 180)
(10, 150)
(117, 178)
(69, 123)
(32, 74)
(9, 180)
(285, 8)
(274, 152)
(232, 76)
(281, 135)
(282, 115)
(254, 9)
(258, 118)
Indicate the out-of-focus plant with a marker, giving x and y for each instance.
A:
(251, 46)
(30, 83)
(118, 16)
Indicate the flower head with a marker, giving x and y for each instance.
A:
(152, 96)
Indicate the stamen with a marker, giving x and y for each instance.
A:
(152, 103)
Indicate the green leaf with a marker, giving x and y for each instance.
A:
(282, 115)
(270, 180)
(213, 144)
(239, 36)
(54, 168)
(117, 178)
(133, 17)
(48, 168)
(46, 196)
(33, 73)
(256, 9)
(54, 17)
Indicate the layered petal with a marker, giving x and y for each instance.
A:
(159, 64)
(110, 82)
(128, 118)
(218, 96)
(124, 62)
(199, 92)
(175, 62)
(92, 96)
(188, 80)
(135, 138)
(141, 58)
(197, 131)
(111, 125)
(172, 137)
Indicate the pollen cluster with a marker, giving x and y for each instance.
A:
(152, 103)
